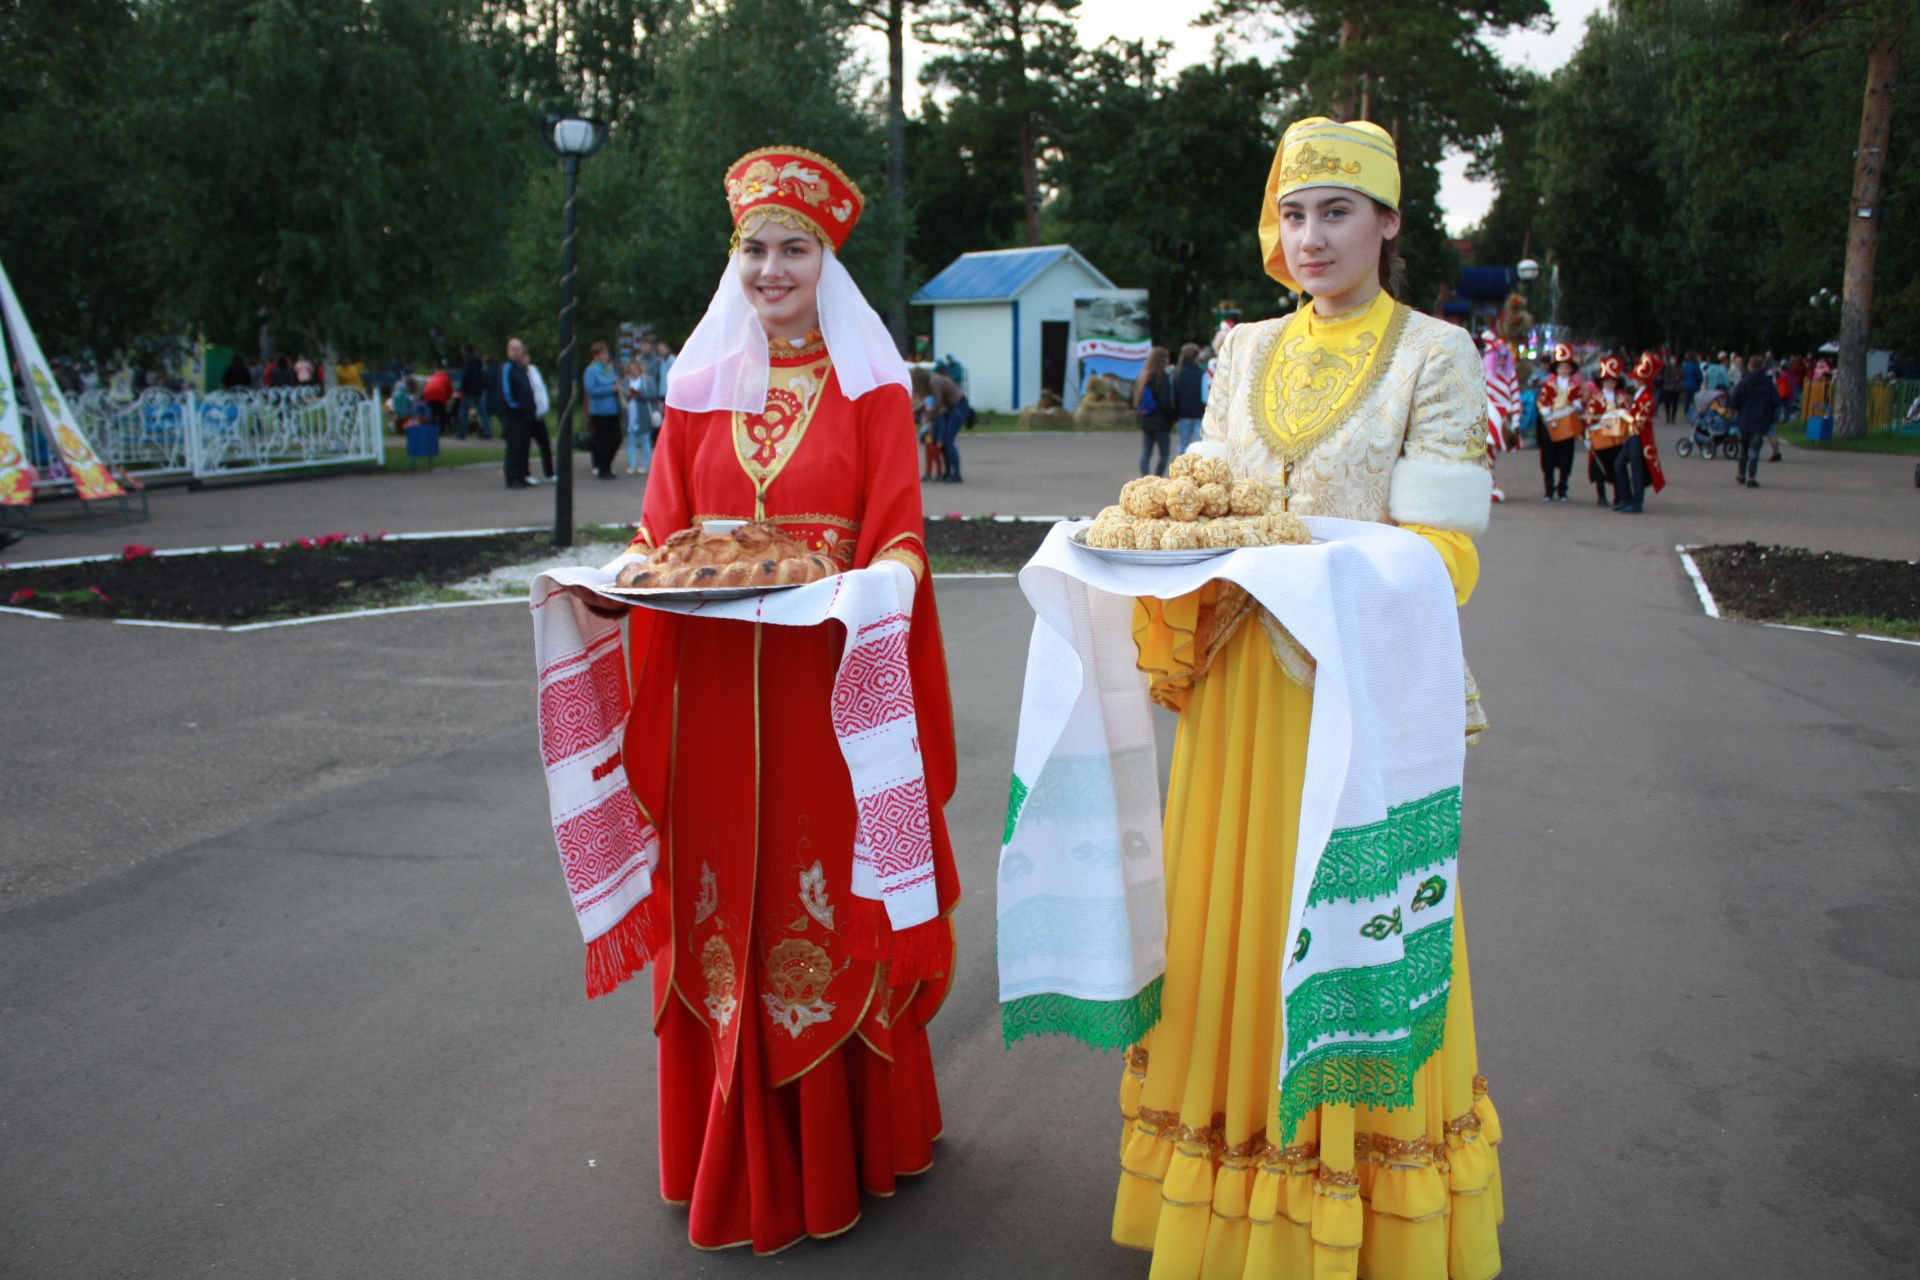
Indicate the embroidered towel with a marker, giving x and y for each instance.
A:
(607, 849)
(1082, 929)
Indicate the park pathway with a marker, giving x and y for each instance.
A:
(291, 986)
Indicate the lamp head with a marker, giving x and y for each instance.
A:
(1527, 269)
(574, 135)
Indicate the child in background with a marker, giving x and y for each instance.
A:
(639, 418)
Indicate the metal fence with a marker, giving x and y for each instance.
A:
(1887, 402)
(162, 434)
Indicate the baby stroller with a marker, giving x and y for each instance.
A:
(1714, 432)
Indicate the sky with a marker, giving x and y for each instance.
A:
(1464, 201)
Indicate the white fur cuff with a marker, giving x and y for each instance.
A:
(1446, 495)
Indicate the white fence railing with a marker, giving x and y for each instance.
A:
(231, 433)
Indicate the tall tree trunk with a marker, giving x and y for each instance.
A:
(1342, 105)
(897, 172)
(1030, 178)
(1863, 238)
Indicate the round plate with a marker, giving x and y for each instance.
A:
(1118, 556)
(676, 595)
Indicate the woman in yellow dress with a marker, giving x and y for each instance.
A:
(1354, 406)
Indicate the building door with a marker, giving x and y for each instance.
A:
(1053, 356)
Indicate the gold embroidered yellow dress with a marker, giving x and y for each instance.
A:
(1377, 415)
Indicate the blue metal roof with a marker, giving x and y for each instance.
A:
(995, 275)
(1485, 284)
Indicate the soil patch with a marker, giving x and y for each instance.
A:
(983, 544)
(1812, 588)
(337, 573)
(229, 587)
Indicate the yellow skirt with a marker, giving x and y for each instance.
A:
(1407, 1194)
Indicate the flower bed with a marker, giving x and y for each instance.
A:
(1813, 588)
(338, 572)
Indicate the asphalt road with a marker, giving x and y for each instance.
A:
(291, 987)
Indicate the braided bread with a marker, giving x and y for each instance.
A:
(754, 555)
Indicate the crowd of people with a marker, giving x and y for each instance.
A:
(1171, 402)
(512, 394)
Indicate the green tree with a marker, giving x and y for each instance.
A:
(1159, 182)
(595, 57)
(965, 193)
(85, 261)
(336, 169)
(665, 207)
(1015, 55)
(1422, 70)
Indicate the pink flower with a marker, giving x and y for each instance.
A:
(259, 546)
(953, 515)
(100, 595)
(133, 551)
(21, 596)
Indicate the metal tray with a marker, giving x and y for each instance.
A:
(681, 595)
(1118, 556)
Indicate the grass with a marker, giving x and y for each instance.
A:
(1794, 431)
(1864, 624)
(451, 455)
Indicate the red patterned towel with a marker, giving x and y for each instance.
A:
(607, 849)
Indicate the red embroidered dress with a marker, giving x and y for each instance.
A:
(794, 1067)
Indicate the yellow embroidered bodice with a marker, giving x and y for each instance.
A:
(1324, 408)
(765, 441)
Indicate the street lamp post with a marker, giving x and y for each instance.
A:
(573, 139)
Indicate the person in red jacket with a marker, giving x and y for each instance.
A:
(439, 394)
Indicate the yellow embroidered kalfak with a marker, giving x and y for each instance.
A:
(1412, 1194)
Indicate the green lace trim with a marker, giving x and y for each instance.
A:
(1371, 861)
(1104, 1024)
(1362, 1075)
(1016, 797)
(1373, 1000)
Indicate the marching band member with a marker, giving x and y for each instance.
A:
(1561, 398)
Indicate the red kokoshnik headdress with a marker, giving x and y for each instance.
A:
(796, 188)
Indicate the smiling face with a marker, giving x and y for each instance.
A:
(779, 268)
(1332, 238)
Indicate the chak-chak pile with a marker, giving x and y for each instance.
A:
(1197, 504)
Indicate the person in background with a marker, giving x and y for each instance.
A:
(348, 374)
(662, 367)
(472, 408)
(602, 386)
(438, 393)
(926, 424)
(541, 404)
(1189, 395)
(948, 406)
(400, 403)
(1561, 400)
(282, 374)
(1672, 387)
(237, 375)
(639, 418)
(303, 370)
(516, 412)
(1607, 421)
(1754, 402)
(1785, 386)
(1153, 409)
(1690, 383)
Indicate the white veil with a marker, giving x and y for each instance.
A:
(724, 362)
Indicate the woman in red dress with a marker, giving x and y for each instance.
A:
(791, 1017)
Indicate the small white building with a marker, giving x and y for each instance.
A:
(1007, 316)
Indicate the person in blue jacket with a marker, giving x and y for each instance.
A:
(603, 411)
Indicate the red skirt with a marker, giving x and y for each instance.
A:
(767, 1166)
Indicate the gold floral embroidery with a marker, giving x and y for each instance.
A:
(1307, 161)
(797, 976)
(1137, 1060)
(761, 181)
(1378, 1148)
(716, 965)
(709, 900)
(1331, 1181)
(1308, 389)
(766, 441)
(813, 894)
